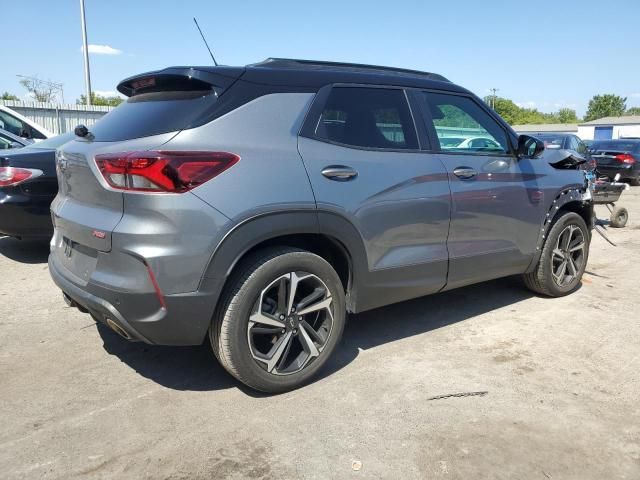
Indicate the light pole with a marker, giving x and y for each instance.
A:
(493, 97)
(85, 49)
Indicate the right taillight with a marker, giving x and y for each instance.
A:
(12, 176)
(162, 171)
(625, 158)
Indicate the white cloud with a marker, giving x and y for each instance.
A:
(635, 95)
(102, 50)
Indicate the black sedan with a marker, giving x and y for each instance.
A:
(28, 185)
(618, 157)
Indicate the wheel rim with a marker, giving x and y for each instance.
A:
(291, 323)
(568, 256)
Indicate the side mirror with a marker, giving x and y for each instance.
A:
(15, 145)
(529, 147)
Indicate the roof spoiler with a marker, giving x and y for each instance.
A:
(181, 79)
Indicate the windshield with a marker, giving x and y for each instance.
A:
(53, 142)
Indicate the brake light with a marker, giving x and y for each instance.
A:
(12, 176)
(625, 158)
(162, 171)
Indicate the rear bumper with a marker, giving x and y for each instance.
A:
(627, 172)
(184, 321)
(25, 216)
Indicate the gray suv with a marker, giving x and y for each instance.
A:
(258, 205)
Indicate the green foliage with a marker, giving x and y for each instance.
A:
(99, 100)
(567, 115)
(515, 115)
(633, 111)
(9, 96)
(607, 105)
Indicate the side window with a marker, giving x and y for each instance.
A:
(368, 117)
(463, 127)
(11, 124)
(573, 143)
(577, 145)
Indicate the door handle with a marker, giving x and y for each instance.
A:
(465, 172)
(339, 173)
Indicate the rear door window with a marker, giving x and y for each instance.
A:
(368, 117)
(455, 116)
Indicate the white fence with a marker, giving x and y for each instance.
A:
(58, 118)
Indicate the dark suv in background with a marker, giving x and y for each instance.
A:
(258, 205)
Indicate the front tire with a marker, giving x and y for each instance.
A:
(280, 319)
(564, 257)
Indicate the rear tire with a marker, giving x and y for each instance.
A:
(563, 259)
(619, 217)
(268, 339)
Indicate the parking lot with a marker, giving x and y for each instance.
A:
(554, 388)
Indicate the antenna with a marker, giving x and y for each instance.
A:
(205, 42)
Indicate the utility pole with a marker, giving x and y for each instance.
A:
(493, 97)
(85, 48)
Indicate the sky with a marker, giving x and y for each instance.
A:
(542, 54)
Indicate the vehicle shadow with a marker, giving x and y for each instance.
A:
(25, 251)
(196, 369)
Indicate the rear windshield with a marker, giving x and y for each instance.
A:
(617, 146)
(152, 114)
(551, 141)
(53, 142)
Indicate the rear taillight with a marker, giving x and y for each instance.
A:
(12, 176)
(625, 158)
(162, 171)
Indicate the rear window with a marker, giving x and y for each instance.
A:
(152, 114)
(617, 146)
(551, 141)
(54, 142)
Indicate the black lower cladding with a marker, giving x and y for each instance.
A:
(184, 321)
(24, 215)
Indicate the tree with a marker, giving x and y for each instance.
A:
(9, 96)
(567, 115)
(633, 111)
(607, 105)
(96, 99)
(41, 90)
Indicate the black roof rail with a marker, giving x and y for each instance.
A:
(320, 64)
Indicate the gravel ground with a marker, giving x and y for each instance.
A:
(561, 378)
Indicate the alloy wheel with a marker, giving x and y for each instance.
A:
(568, 256)
(291, 323)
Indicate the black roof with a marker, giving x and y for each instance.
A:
(316, 73)
(301, 73)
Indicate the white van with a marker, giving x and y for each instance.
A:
(13, 122)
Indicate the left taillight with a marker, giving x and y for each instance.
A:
(12, 176)
(162, 171)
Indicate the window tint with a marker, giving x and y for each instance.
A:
(54, 142)
(582, 147)
(617, 145)
(152, 114)
(573, 143)
(367, 117)
(16, 126)
(460, 117)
